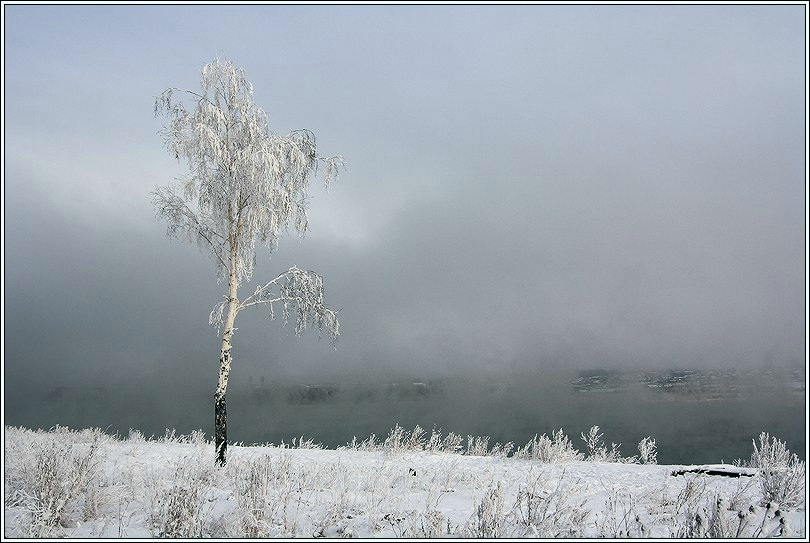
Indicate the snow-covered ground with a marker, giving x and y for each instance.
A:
(86, 484)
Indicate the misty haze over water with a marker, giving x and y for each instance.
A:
(696, 416)
(532, 193)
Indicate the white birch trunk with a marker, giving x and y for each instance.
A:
(220, 412)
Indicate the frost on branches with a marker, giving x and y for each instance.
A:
(245, 185)
(296, 290)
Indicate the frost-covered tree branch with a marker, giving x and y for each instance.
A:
(182, 221)
(301, 292)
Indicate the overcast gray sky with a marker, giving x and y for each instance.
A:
(527, 187)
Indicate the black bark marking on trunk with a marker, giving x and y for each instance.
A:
(220, 428)
(220, 413)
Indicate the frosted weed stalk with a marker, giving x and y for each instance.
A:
(252, 514)
(345, 488)
(179, 504)
(430, 522)
(489, 518)
(716, 519)
(620, 518)
(268, 493)
(542, 512)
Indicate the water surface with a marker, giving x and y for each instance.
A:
(696, 416)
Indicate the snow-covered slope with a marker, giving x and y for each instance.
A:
(138, 488)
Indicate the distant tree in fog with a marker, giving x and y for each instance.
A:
(245, 186)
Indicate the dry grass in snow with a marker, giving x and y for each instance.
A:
(410, 484)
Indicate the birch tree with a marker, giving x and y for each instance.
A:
(245, 187)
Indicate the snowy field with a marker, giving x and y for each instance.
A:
(411, 484)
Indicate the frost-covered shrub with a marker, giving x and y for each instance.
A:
(557, 448)
(395, 442)
(416, 439)
(593, 442)
(647, 451)
(16, 453)
(598, 452)
(50, 477)
(302, 443)
(477, 445)
(434, 443)
(169, 436)
(135, 436)
(399, 439)
(771, 452)
(368, 444)
(781, 474)
(502, 450)
(784, 485)
(196, 437)
(452, 443)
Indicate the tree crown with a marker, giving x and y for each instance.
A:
(245, 184)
